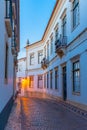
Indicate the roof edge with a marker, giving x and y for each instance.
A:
(33, 43)
(46, 26)
(50, 19)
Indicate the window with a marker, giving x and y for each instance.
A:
(20, 67)
(48, 51)
(64, 26)
(40, 56)
(44, 80)
(40, 81)
(47, 80)
(31, 81)
(51, 46)
(51, 79)
(32, 59)
(8, 8)
(6, 63)
(76, 77)
(75, 13)
(56, 78)
(56, 34)
(45, 51)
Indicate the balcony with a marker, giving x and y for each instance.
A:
(16, 67)
(60, 46)
(14, 10)
(8, 26)
(13, 48)
(13, 43)
(8, 17)
(44, 63)
(15, 58)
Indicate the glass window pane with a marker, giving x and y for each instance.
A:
(40, 56)
(76, 77)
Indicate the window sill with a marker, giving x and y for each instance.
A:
(76, 93)
(31, 64)
(73, 28)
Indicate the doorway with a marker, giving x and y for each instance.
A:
(64, 83)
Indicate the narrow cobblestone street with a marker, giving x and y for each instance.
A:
(43, 114)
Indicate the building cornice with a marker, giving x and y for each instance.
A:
(33, 44)
(57, 2)
(81, 33)
(34, 69)
(24, 58)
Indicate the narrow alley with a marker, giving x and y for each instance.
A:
(33, 113)
(43, 65)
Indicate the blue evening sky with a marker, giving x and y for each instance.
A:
(34, 16)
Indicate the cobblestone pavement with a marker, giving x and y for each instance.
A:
(14, 121)
(44, 114)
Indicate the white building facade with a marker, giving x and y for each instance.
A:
(33, 66)
(8, 56)
(57, 64)
(21, 80)
(21, 73)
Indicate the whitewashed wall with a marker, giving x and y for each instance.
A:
(6, 90)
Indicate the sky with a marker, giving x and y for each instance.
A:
(34, 16)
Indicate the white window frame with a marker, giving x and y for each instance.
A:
(40, 56)
(32, 59)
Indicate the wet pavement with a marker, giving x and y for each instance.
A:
(14, 121)
(44, 114)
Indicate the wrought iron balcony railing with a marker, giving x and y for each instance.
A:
(15, 58)
(13, 10)
(60, 45)
(44, 63)
(13, 43)
(16, 67)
